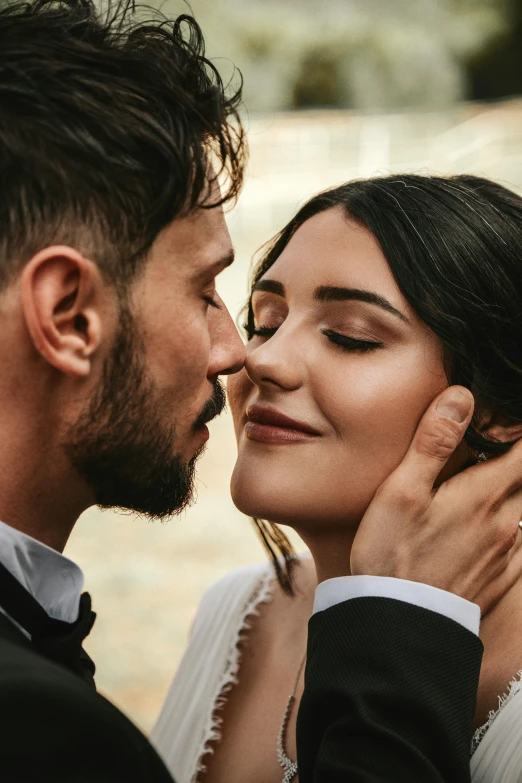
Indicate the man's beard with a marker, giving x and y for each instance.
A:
(121, 445)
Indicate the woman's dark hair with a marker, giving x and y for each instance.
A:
(454, 246)
(108, 124)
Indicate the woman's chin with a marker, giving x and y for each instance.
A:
(284, 505)
(248, 497)
(302, 500)
(257, 498)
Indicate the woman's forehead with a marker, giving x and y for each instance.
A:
(331, 249)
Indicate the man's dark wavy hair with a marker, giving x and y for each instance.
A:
(108, 124)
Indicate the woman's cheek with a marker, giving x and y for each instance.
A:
(239, 387)
(379, 405)
(351, 395)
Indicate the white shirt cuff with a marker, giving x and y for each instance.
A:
(343, 588)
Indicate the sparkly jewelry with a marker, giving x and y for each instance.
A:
(288, 766)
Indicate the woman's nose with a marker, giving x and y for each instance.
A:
(279, 361)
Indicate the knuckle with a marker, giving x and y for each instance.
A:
(440, 439)
(493, 497)
(487, 500)
(399, 495)
(505, 539)
(496, 501)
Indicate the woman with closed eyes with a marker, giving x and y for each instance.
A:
(374, 298)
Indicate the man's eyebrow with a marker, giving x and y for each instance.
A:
(270, 286)
(214, 268)
(226, 260)
(327, 293)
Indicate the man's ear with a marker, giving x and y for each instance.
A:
(61, 293)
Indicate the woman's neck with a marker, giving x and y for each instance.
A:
(500, 633)
(330, 550)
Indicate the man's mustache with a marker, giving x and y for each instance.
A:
(214, 406)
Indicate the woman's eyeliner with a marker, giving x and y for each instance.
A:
(264, 331)
(351, 343)
(341, 340)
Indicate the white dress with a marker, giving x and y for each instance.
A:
(189, 721)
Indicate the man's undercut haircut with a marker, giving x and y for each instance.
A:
(112, 124)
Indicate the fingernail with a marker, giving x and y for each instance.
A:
(455, 405)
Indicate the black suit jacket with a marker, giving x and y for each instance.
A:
(390, 693)
(54, 728)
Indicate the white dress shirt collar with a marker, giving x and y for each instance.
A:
(54, 580)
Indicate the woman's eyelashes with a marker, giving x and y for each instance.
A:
(343, 341)
(351, 343)
(263, 331)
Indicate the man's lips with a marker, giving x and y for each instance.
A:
(270, 426)
(213, 407)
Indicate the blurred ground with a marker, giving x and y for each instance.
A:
(146, 579)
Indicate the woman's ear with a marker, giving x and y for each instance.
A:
(501, 428)
(61, 293)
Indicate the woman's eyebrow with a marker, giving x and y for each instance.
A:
(327, 293)
(270, 286)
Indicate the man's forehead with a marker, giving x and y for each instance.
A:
(200, 238)
(211, 246)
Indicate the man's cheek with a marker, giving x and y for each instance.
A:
(197, 347)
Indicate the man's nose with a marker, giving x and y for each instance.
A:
(227, 352)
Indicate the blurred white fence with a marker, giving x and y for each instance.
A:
(296, 155)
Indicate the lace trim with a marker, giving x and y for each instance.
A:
(514, 687)
(261, 594)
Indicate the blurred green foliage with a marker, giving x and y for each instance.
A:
(496, 70)
(361, 54)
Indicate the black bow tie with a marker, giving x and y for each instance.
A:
(56, 639)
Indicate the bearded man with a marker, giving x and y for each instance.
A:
(114, 133)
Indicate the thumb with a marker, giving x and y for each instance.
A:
(438, 434)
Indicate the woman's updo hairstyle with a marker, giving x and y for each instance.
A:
(454, 246)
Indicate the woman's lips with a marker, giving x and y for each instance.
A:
(270, 426)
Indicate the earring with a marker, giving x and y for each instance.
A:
(481, 457)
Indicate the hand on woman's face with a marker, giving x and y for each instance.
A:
(343, 354)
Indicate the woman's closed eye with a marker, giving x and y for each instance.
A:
(343, 341)
(347, 343)
(263, 331)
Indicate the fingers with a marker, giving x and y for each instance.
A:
(499, 533)
(500, 524)
(500, 475)
(438, 434)
(508, 576)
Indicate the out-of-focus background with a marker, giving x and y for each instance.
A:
(334, 89)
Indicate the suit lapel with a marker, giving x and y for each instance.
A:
(10, 633)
